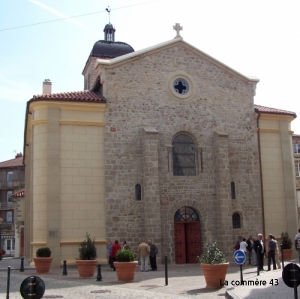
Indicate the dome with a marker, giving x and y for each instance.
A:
(109, 49)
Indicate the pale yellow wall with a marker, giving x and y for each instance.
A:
(273, 183)
(39, 192)
(280, 203)
(79, 149)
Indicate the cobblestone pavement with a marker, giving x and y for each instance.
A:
(185, 281)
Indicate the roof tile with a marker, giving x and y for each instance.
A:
(76, 96)
(263, 109)
(12, 163)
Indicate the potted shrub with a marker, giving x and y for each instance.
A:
(86, 264)
(125, 265)
(286, 245)
(2, 252)
(42, 260)
(214, 265)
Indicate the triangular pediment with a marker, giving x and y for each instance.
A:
(167, 45)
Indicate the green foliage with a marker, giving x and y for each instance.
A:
(286, 241)
(87, 249)
(43, 252)
(125, 255)
(213, 255)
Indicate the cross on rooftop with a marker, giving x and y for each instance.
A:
(177, 28)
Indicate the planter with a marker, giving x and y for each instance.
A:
(287, 254)
(125, 270)
(214, 275)
(86, 268)
(42, 264)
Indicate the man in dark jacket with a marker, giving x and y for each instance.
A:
(249, 247)
(153, 253)
(271, 252)
(260, 250)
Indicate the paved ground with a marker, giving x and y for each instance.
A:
(185, 281)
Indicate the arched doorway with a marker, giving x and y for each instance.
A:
(187, 235)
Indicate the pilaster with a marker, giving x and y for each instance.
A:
(151, 185)
(223, 200)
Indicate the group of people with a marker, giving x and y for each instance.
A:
(145, 251)
(257, 251)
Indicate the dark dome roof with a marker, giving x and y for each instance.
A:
(108, 26)
(108, 49)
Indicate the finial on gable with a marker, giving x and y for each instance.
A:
(177, 28)
(108, 10)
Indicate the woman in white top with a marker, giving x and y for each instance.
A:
(243, 245)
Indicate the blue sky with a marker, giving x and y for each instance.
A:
(256, 38)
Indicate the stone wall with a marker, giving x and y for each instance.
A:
(138, 95)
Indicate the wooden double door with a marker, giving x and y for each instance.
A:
(187, 241)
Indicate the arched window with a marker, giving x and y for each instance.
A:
(183, 156)
(186, 214)
(232, 190)
(236, 220)
(138, 192)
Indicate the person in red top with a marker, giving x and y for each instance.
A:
(115, 248)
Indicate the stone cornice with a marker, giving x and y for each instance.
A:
(88, 106)
(165, 45)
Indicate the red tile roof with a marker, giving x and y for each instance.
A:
(267, 110)
(20, 193)
(12, 163)
(76, 96)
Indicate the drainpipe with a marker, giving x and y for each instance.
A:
(261, 179)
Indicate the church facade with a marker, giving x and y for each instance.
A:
(165, 144)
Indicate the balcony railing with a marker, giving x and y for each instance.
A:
(5, 225)
(6, 205)
(12, 184)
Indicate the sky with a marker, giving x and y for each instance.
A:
(52, 39)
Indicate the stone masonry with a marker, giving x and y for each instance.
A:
(138, 97)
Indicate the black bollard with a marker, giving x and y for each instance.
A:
(282, 260)
(166, 270)
(8, 282)
(22, 264)
(65, 272)
(99, 277)
(32, 288)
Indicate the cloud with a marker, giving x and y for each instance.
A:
(57, 13)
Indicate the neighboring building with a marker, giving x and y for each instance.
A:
(296, 149)
(19, 218)
(167, 144)
(12, 179)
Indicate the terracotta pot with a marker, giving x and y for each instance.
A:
(86, 268)
(125, 270)
(42, 264)
(214, 275)
(287, 254)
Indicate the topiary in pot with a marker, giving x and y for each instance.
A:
(87, 249)
(286, 242)
(42, 260)
(286, 245)
(43, 252)
(87, 257)
(125, 255)
(125, 265)
(214, 265)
